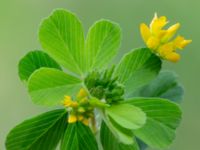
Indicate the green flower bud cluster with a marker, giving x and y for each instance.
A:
(103, 85)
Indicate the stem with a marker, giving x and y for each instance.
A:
(93, 125)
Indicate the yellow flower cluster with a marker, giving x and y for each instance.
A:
(160, 41)
(79, 109)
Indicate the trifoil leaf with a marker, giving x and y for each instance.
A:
(39, 133)
(137, 68)
(163, 117)
(33, 61)
(102, 43)
(164, 86)
(78, 137)
(61, 35)
(49, 86)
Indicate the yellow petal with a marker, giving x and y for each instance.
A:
(158, 24)
(145, 32)
(153, 43)
(85, 121)
(171, 31)
(173, 57)
(153, 20)
(174, 27)
(161, 34)
(185, 43)
(177, 42)
(83, 101)
(68, 98)
(180, 42)
(67, 101)
(72, 119)
(166, 49)
(74, 104)
(82, 93)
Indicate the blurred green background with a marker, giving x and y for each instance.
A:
(19, 21)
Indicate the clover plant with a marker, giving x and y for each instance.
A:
(98, 105)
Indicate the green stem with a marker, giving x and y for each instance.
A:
(93, 125)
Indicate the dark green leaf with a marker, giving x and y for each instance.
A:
(163, 117)
(102, 43)
(33, 61)
(137, 68)
(164, 86)
(49, 86)
(39, 133)
(78, 137)
(110, 142)
(61, 36)
(141, 144)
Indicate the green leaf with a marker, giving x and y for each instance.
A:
(102, 44)
(120, 113)
(33, 61)
(163, 117)
(164, 86)
(39, 133)
(110, 142)
(61, 35)
(49, 86)
(78, 137)
(141, 144)
(123, 135)
(137, 68)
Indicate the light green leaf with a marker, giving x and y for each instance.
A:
(49, 86)
(61, 36)
(102, 44)
(123, 135)
(33, 61)
(163, 117)
(137, 68)
(120, 113)
(78, 137)
(164, 86)
(110, 142)
(39, 133)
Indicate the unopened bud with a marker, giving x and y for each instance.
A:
(81, 110)
(85, 121)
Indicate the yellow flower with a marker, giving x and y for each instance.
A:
(67, 101)
(160, 40)
(82, 94)
(74, 104)
(72, 118)
(79, 109)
